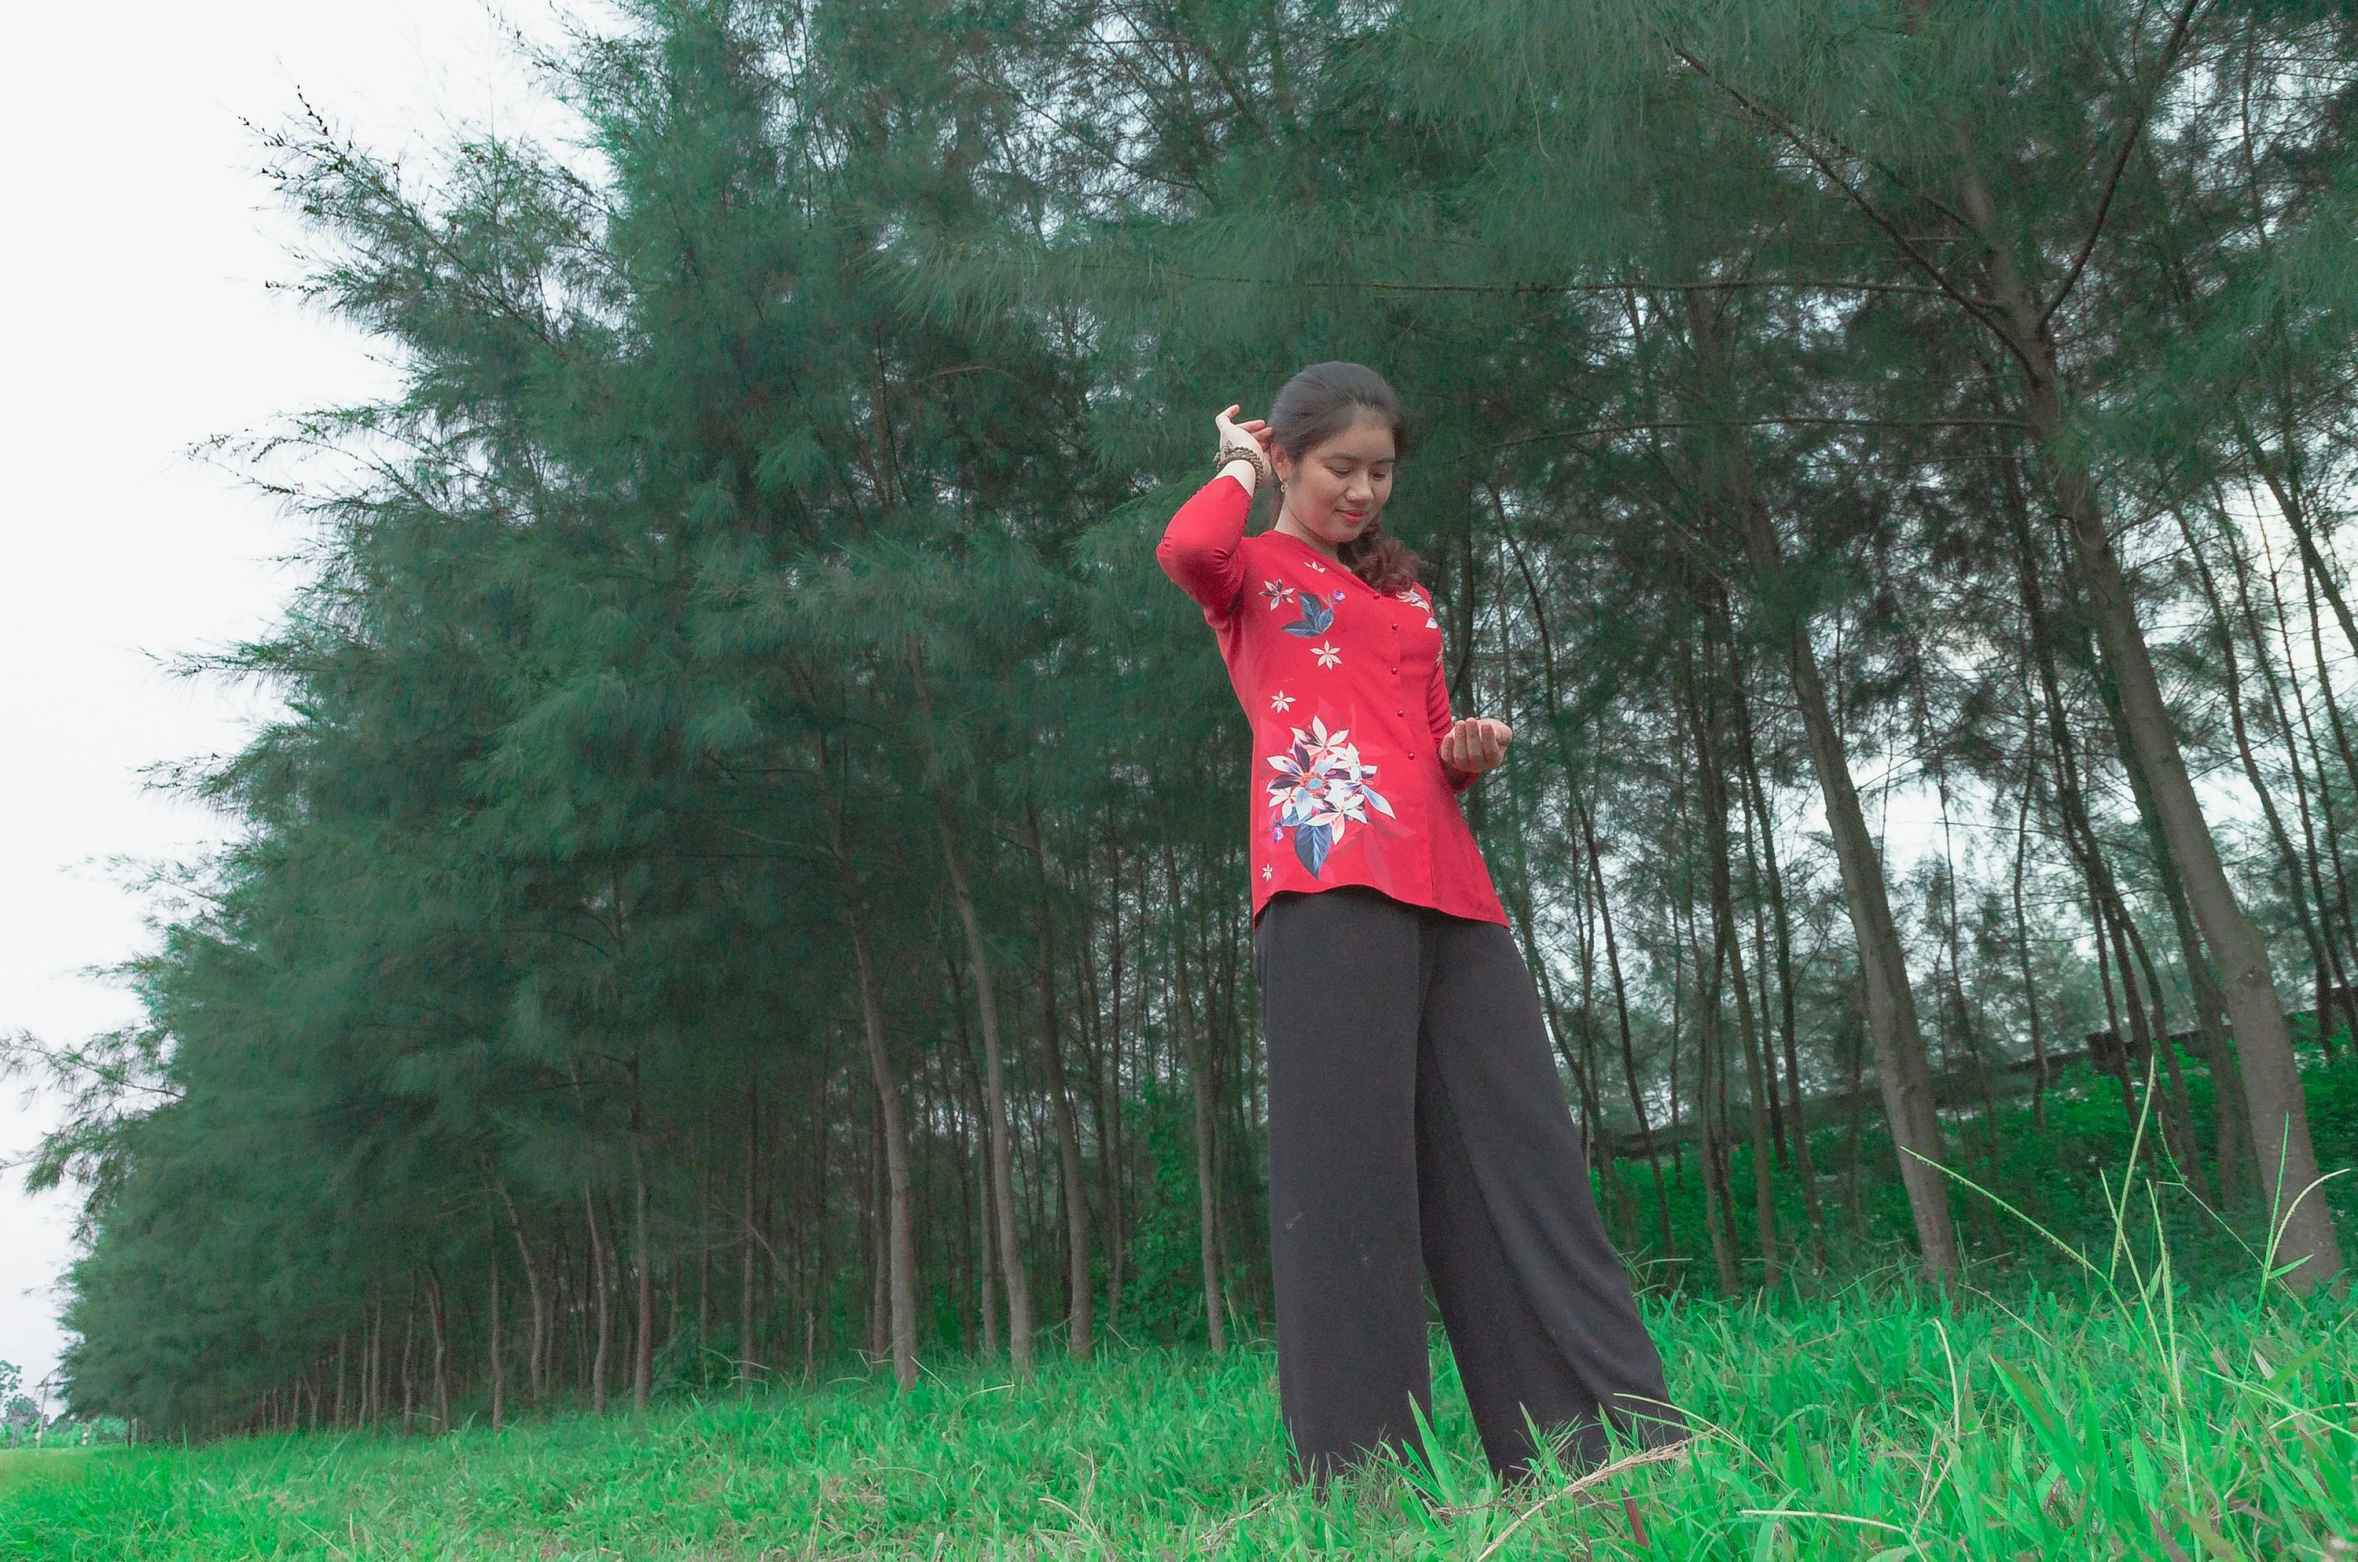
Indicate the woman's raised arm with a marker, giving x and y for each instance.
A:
(1199, 547)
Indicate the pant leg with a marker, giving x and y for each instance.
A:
(1340, 977)
(1539, 1310)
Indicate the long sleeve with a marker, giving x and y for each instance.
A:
(1201, 548)
(1437, 716)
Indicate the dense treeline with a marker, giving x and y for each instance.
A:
(749, 866)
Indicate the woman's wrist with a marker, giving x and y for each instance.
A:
(1241, 447)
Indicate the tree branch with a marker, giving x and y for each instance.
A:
(1824, 165)
(1771, 422)
(2120, 162)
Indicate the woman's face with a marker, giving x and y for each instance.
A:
(1337, 488)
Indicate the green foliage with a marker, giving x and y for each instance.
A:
(2061, 1176)
(1165, 1299)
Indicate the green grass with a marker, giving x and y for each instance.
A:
(1865, 1425)
(23, 1466)
(2122, 1413)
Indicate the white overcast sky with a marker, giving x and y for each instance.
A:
(138, 240)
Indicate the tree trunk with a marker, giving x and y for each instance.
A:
(986, 1221)
(1966, 1025)
(577, 1312)
(1637, 1099)
(642, 1376)
(2209, 1006)
(2239, 1174)
(1200, 1079)
(2209, 1003)
(707, 1227)
(1854, 1139)
(2280, 1118)
(2314, 574)
(1710, 1065)
(901, 1221)
(1584, 1070)
(1718, 1200)
(602, 1298)
(409, 1339)
(1068, 1130)
(1516, 895)
(1678, 998)
(1105, 1077)
(2030, 991)
(2329, 942)
(533, 1363)
(818, 1319)
(2080, 838)
(746, 1231)
(1703, 710)
(2332, 830)
(879, 1244)
(499, 1377)
(954, 1137)
(1803, 1163)
(1902, 1067)
(434, 1320)
(1602, 1151)
(1019, 1294)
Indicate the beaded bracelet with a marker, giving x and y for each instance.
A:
(1251, 455)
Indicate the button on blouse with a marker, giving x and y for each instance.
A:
(1342, 794)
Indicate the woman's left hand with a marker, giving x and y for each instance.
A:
(1477, 745)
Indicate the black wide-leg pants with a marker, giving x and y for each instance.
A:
(1417, 1126)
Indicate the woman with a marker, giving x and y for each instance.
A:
(1414, 1109)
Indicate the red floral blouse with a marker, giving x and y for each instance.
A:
(1343, 687)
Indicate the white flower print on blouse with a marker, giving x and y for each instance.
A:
(1321, 787)
(1281, 702)
(1278, 593)
(1327, 654)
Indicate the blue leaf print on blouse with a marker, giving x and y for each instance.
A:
(1317, 618)
(1311, 844)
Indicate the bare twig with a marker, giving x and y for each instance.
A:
(1667, 1454)
(1807, 147)
(2120, 162)
(1218, 1533)
(1768, 422)
(1641, 284)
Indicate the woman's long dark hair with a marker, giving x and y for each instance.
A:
(1315, 406)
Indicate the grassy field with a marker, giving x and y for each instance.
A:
(22, 1467)
(2088, 1406)
(1873, 1424)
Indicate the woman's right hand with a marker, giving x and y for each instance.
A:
(1252, 433)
